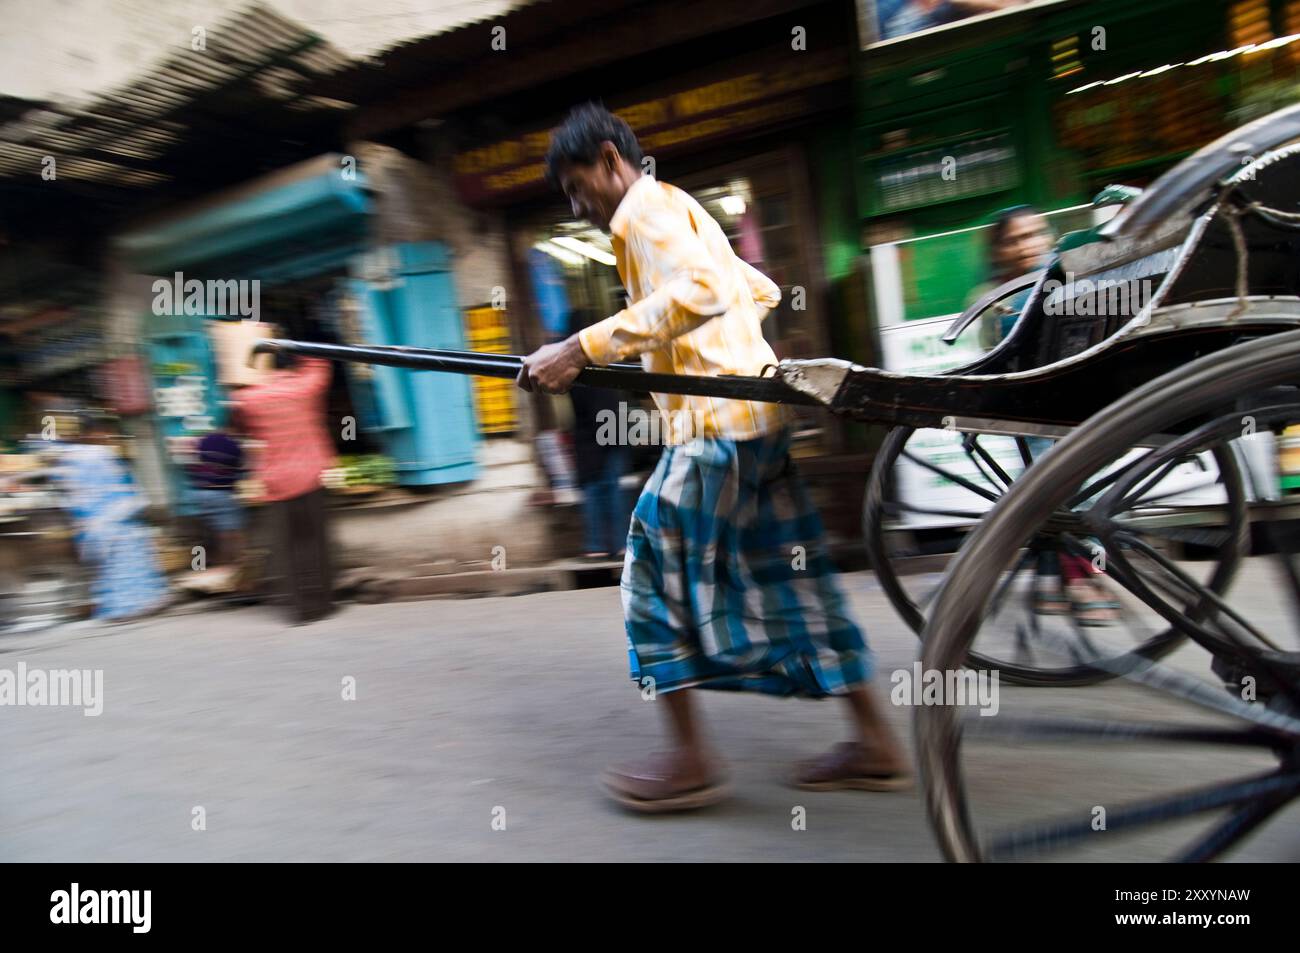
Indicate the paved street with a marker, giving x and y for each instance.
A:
(462, 708)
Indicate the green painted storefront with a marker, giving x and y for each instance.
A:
(992, 101)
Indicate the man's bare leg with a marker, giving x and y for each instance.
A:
(689, 754)
(880, 746)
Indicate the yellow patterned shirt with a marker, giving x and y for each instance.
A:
(696, 308)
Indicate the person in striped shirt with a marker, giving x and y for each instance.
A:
(726, 582)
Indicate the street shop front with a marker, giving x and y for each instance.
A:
(1046, 107)
(57, 368)
(291, 255)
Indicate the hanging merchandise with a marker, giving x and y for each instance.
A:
(488, 332)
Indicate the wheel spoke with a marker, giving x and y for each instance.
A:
(1055, 834)
(1005, 585)
(1150, 499)
(1182, 618)
(978, 464)
(1026, 458)
(961, 481)
(1169, 681)
(1082, 637)
(1048, 730)
(1025, 641)
(1202, 593)
(1140, 634)
(1232, 646)
(1189, 622)
(1189, 619)
(1234, 828)
(1072, 645)
(1189, 449)
(925, 511)
(992, 463)
(1092, 489)
(1076, 547)
(1129, 499)
(1027, 632)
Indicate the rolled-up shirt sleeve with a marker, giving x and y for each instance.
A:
(689, 289)
(765, 292)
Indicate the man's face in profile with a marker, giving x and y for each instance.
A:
(594, 190)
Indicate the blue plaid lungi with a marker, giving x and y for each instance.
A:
(727, 583)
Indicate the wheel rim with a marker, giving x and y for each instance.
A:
(1269, 731)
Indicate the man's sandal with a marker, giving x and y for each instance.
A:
(655, 786)
(847, 767)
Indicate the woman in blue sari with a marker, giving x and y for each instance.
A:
(114, 543)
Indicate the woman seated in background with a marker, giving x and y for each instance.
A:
(1020, 242)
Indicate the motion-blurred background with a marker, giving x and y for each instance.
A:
(173, 172)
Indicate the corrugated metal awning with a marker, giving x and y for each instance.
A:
(250, 78)
(437, 75)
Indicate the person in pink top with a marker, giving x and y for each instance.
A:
(286, 415)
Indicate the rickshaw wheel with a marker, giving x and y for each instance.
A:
(1019, 662)
(1259, 730)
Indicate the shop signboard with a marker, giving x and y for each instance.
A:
(944, 174)
(1143, 120)
(763, 91)
(884, 21)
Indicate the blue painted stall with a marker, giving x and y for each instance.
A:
(427, 420)
(305, 222)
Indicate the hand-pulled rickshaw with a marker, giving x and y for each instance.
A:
(1133, 430)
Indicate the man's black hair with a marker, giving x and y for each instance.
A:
(578, 139)
(1003, 218)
